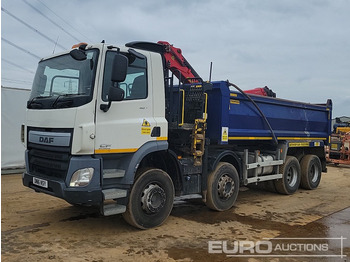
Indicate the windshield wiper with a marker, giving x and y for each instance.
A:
(64, 95)
(32, 101)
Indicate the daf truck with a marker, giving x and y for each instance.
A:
(128, 128)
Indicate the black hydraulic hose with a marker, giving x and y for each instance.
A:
(257, 107)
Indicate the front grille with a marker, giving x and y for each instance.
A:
(45, 163)
(48, 161)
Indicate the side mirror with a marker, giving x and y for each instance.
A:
(115, 94)
(119, 69)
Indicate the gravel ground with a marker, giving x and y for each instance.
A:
(38, 227)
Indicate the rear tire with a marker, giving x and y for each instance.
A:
(311, 171)
(290, 181)
(151, 199)
(223, 187)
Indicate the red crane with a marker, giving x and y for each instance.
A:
(179, 66)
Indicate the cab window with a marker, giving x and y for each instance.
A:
(135, 84)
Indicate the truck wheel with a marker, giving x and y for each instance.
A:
(311, 170)
(223, 187)
(290, 181)
(151, 199)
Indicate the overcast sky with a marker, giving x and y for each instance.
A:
(298, 48)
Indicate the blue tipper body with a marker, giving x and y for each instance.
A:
(231, 116)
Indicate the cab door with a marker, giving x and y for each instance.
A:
(128, 124)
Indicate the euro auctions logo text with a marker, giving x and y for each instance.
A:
(279, 247)
(261, 247)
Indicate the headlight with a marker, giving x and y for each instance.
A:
(81, 177)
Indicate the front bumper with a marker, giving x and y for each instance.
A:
(80, 196)
(59, 187)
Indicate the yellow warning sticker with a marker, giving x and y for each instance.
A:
(235, 102)
(300, 144)
(334, 146)
(145, 123)
(145, 128)
(224, 134)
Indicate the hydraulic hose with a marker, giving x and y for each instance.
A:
(257, 107)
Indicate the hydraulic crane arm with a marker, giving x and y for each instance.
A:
(182, 69)
(177, 63)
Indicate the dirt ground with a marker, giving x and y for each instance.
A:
(38, 227)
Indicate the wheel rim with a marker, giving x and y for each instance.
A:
(153, 198)
(292, 176)
(226, 186)
(314, 173)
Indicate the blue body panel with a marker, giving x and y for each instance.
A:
(290, 120)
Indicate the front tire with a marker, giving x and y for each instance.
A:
(223, 187)
(151, 199)
(290, 181)
(311, 170)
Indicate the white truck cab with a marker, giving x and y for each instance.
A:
(78, 140)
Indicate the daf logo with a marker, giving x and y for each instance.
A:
(47, 140)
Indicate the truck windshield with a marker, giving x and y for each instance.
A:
(62, 82)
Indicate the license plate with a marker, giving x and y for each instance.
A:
(40, 182)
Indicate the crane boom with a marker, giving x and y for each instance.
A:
(181, 68)
(178, 64)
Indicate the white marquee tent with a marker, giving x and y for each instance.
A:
(13, 106)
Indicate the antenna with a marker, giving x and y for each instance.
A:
(54, 48)
(211, 69)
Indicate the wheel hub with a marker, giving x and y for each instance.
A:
(292, 176)
(153, 198)
(225, 186)
(314, 173)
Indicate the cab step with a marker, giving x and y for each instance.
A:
(114, 193)
(113, 173)
(113, 209)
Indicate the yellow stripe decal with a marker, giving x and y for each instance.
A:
(270, 138)
(302, 138)
(162, 138)
(109, 151)
(249, 138)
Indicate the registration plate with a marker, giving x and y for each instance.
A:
(40, 182)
